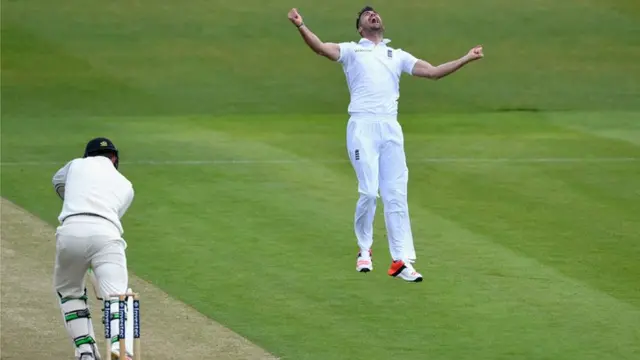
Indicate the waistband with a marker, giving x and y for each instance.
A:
(85, 214)
(373, 117)
(89, 216)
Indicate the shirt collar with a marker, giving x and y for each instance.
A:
(103, 159)
(365, 41)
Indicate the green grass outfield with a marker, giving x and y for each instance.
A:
(526, 222)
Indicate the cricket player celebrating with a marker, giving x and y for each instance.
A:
(375, 141)
(95, 197)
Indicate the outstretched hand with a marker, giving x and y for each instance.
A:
(295, 17)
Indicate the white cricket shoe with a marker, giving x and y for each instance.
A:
(404, 271)
(89, 355)
(364, 263)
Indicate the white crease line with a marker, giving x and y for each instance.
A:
(338, 161)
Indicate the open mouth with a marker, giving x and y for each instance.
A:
(374, 20)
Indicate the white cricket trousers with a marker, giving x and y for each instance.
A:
(84, 241)
(89, 241)
(376, 151)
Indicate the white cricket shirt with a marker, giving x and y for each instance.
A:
(93, 185)
(373, 76)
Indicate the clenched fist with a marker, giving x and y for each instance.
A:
(295, 17)
(475, 53)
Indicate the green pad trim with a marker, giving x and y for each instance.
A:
(82, 340)
(77, 314)
(68, 298)
(114, 316)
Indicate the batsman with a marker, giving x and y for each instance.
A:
(95, 197)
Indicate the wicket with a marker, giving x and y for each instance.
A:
(122, 316)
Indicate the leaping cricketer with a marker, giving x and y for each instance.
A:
(375, 140)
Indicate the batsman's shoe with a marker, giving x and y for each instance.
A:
(404, 271)
(364, 263)
(89, 355)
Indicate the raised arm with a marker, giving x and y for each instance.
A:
(426, 70)
(326, 49)
(59, 180)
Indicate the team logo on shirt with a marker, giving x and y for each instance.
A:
(357, 154)
(389, 53)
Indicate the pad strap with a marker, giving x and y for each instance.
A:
(69, 298)
(114, 316)
(77, 314)
(82, 340)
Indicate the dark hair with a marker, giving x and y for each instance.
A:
(105, 152)
(364, 10)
